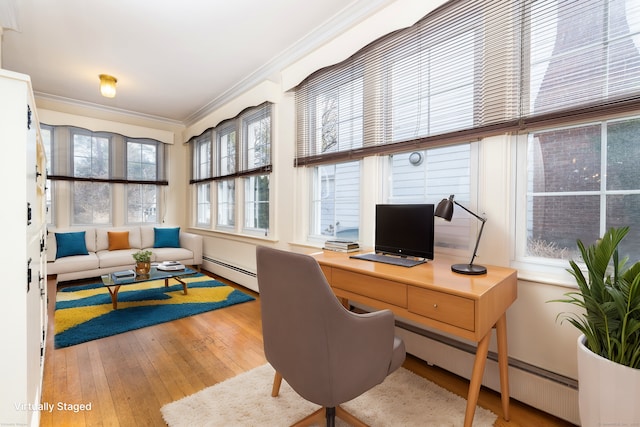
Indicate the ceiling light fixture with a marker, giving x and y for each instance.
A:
(108, 85)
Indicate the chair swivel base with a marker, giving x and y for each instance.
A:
(319, 417)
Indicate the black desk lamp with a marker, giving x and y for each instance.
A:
(445, 211)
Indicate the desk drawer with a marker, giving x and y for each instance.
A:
(362, 284)
(443, 307)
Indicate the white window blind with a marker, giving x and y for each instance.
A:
(471, 69)
(240, 146)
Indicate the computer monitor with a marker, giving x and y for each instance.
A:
(405, 230)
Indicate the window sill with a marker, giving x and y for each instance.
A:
(555, 274)
(231, 235)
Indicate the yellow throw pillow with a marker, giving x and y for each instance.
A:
(118, 240)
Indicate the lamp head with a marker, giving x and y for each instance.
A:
(444, 209)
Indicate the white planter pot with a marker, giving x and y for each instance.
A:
(608, 392)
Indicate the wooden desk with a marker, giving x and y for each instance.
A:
(432, 295)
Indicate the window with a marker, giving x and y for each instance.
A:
(407, 95)
(95, 168)
(582, 52)
(336, 201)
(257, 140)
(142, 165)
(47, 140)
(256, 199)
(240, 164)
(226, 150)
(424, 99)
(256, 155)
(91, 200)
(227, 203)
(578, 158)
(428, 176)
(202, 155)
(582, 180)
(203, 203)
(338, 118)
(452, 77)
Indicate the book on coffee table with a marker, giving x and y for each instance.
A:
(123, 275)
(170, 266)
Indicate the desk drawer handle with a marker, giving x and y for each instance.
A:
(435, 305)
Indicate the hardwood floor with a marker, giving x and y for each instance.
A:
(127, 378)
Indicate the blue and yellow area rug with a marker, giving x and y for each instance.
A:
(85, 313)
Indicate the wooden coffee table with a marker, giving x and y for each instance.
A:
(114, 285)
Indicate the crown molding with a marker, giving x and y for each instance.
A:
(354, 13)
(105, 109)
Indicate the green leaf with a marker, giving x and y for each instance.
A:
(609, 299)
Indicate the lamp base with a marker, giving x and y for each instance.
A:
(468, 269)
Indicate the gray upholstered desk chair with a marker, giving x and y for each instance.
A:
(326, 353)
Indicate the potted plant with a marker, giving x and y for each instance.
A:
(609, 322)
(143, 262)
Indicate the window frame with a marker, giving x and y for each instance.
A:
(253, 205)
(462, 226)
(314, 233)
(548, 269)
(141, 186)
(230, 160)
(90, 180)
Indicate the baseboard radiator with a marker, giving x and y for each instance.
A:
(232, 272)
(552, 393)
(536, 387)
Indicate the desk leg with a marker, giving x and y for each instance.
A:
(503, 363)
(476, 379)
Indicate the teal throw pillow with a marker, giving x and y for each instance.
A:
(68, 244)
(166, 237)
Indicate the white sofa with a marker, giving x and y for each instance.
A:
(101, 260)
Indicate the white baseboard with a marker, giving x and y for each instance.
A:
(533, 388)
(236, 274)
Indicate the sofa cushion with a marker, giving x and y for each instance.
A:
(73, 263)
(102, 237)
(122, 257)
(171, 254)
(118, 240)
(52, 244)
(69, 244)
(146, 235)
(166, 237)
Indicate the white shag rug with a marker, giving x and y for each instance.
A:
(403, 399)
